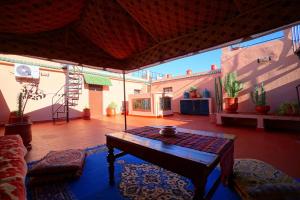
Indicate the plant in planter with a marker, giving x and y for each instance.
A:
(232, 88)
(193, 92)
(219, 94)
(86, 113)
(19, 123)
(289, 108)
(258, 96)
(111, 109)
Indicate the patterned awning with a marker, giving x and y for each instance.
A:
(130, 34)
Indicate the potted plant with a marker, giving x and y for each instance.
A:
(193, 92)
(258, 96)
(86, 113)
(289, 108)
(232, 88)
(111, 109)
(19, 123)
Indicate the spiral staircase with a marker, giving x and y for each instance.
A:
(68, 95)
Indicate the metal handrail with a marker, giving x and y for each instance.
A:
(56, 94)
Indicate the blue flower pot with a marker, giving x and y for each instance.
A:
(206, 93)
(186, 95)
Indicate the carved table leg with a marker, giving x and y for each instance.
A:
(111, 168)
(199, 185)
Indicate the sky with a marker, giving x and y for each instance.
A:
(202, 62)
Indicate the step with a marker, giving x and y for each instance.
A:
(75, 81)
(74, 73)
(74, 88)
(74, 85)
(72, 104)
(73, 77)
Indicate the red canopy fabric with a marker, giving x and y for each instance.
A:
(129, 34)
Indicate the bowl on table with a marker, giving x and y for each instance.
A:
(168, 130)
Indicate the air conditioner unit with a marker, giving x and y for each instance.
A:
(27, 71)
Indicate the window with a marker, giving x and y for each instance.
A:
(142, 104)
(165, 103)
(137, 91)
(167, 89)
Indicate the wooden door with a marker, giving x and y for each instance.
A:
(96, 100)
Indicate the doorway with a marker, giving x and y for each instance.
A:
(96, 101)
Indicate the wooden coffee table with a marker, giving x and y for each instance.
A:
(193, 164)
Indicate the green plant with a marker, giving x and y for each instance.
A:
(29, 91)
(289, 108)
(258, 95)
(219, 94)
(112, 105)
(20, 104)
(193, 88)
(231, 85)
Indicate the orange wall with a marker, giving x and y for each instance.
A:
(280, 75)
(39, 110)
(50, 83)
(183, 84)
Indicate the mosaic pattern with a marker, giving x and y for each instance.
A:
(146, 181)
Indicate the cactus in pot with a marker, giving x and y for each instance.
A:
(219, 94)
(258, 96)
(232, 88)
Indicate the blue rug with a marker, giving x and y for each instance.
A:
(135, 179)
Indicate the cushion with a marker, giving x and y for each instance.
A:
(251, 176)
(13, 167)
(59, 162)
(278, 191)
(46, 179)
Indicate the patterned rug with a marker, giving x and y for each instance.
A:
(135, 179)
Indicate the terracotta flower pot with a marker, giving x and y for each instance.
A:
(193, 94)
(20, 128)
(262, 109)
(86, 114)
(231, 105)
(111, 112)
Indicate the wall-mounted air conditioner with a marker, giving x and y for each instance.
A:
(27, 71)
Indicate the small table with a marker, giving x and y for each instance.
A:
(193, 164)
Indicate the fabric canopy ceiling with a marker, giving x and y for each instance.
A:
(96, 80)
(129, 34)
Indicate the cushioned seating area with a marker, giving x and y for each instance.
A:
(13, 168)
(58, 166)
(254, 179)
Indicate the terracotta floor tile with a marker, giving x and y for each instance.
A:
(280, 149)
